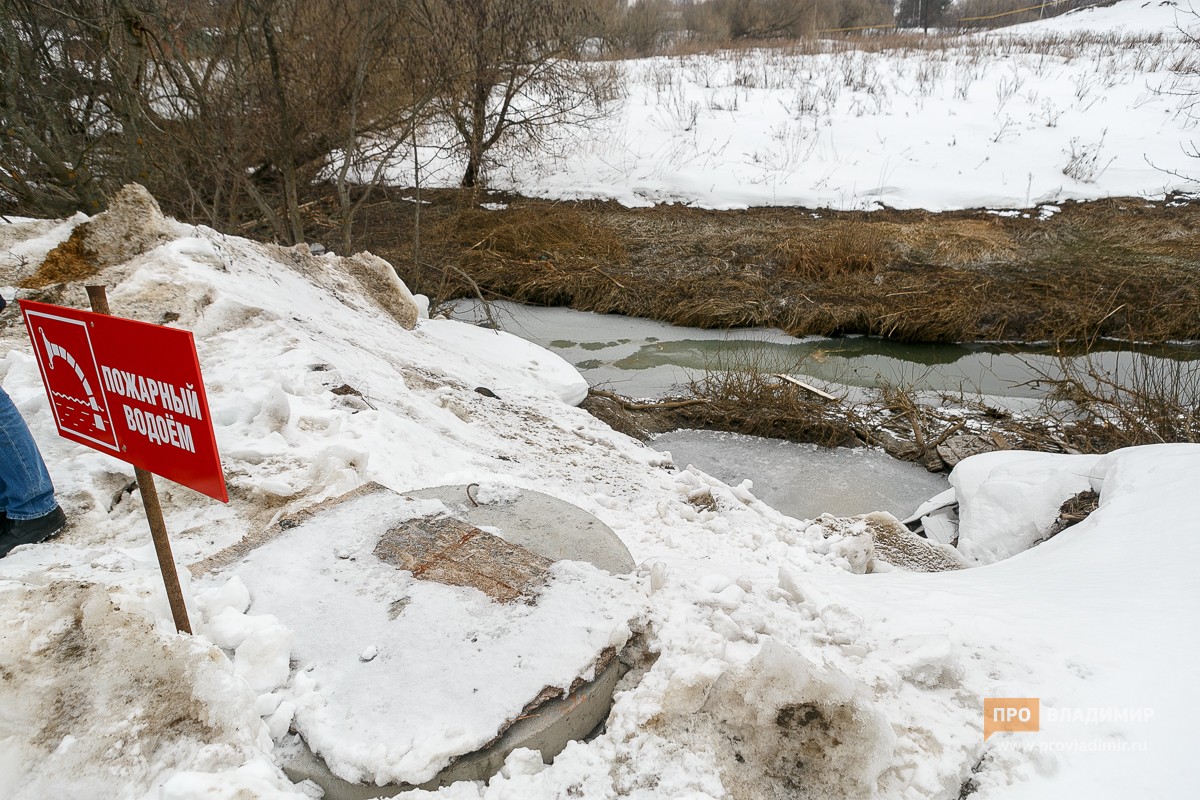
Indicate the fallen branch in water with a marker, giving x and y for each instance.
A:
(631, 406)
(805, 386)
(946, 434)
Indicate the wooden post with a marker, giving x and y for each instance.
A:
(158, 527)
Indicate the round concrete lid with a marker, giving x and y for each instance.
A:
(550, 527)
(548, 729)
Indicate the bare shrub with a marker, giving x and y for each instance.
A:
(226, 111)
(69, 78)
(1085, 163)
(764, 19)
(743, 393)
(643, 27)
(1124, 399)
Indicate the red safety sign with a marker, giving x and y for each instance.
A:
(129, 389)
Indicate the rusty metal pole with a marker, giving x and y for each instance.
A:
(154, 515)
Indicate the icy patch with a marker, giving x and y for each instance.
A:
(805, 480)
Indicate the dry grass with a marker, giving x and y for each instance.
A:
(961, 242)
(554, 236)
(1119, 268)
(912, 41)
(837, 250)
(68, 262)
(840, 247)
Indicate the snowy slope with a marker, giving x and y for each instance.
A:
(766, 665)
(1083, 106)
(1123, 17)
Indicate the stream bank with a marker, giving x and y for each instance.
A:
(1121, 267)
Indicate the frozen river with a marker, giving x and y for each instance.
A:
(642, 358)
(806, 480)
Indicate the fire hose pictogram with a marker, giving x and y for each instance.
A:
(53, 351)
(67, 360)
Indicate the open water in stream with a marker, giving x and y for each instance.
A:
(646, 359)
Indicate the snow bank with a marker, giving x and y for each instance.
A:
(764, 666)
(101, 702)
(1009, 499)
(1098, 623)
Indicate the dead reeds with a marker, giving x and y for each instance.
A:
(744, 393)
(1105, 401)
(1113, 268)
(550, 235)
(837, 250)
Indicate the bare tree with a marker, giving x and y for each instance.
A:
(766, 19)
(389, 101)
(227, 111)
(71, 107)
(716, 20)
(508, 69)
(642, 27)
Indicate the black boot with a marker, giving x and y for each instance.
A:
(30, 531)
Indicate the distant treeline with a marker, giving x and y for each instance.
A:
(648, 26)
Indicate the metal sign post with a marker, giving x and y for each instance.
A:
(158, 526)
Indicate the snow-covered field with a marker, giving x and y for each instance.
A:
(774, 657)
(1091, 104)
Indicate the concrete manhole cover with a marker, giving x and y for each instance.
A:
(477, 644)
(552, 528)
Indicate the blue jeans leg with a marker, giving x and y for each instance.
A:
(25, 488)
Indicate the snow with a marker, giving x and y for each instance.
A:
(1082, 106)
(509, 360)
(763, 664)
(762, 660)
(1125, 17)
(371, 626)
(1009, 499)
